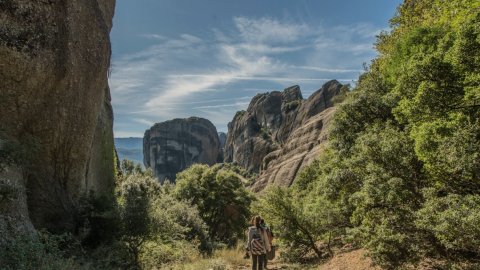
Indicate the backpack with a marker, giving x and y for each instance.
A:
(270, 235)
(256, 244)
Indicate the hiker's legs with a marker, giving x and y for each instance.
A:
(257, 262)
(260, 261)
(254, 261)
(265, 261)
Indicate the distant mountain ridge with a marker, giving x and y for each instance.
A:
(130, 148)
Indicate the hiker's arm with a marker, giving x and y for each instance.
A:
(249, 240)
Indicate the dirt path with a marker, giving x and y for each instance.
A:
(272, 265)
(351, 260)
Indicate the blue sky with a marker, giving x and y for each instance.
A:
(208, 58)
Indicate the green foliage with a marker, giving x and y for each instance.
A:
(155, 223)
(98, 219)
(136, 195)
(266, 133)
(129, 167)
(306, 215)
(221, 198)
(155, 254)
(248, 177)
(401, 173)
(454, 220)
(42, 251)
(299, 227)
(177, 220)
(344, 91)
(290, 106)
(389, 195)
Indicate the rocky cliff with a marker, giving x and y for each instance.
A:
(172, 146)
(280, 133)
(55, 112)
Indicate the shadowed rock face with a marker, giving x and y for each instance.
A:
(172, 146)
(280, 133)
(222, 136)
(55, 102)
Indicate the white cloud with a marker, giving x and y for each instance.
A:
(172, 78)
(269, 30)
(143, 121)
(127, 134)
(238, 104)
(332, 70)
(258, 78)
(153, 36)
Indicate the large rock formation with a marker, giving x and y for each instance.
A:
(280, 133)
(55, 112)
(172, 146)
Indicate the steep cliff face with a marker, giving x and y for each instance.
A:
(172, 146)
(222, 136)
(55, 106)
(280, 133)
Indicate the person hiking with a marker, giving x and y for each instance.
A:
(269, 234)
(257, 244)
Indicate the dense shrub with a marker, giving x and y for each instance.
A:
(401, 172)
(222, 200)
(42, 251)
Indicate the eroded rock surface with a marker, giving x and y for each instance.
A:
(280, 133)
(172, 146)
(55, 106)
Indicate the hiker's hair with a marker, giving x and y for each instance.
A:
(256, 221)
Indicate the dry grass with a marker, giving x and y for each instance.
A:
(232, 259)
(225, 259)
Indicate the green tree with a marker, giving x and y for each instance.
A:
(136, 194)
(401, 171)
(221, 198)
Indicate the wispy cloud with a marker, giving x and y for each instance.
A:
(153, 36)
(238, 104)
(214, 75)
(262, 78)
(143, 121)
(268, 30)
(330, 70)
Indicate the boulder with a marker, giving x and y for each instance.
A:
(172, 146)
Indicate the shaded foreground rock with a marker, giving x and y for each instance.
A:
(172, 146)
(55, 108)
(280, 133)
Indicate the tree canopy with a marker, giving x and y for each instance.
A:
(400, 175)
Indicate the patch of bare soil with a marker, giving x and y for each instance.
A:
(350, 260)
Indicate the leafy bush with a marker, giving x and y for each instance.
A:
(221, 198)
(155, 254)
(400, 175)
(42, 251)
(290, 106)
(98, 219)
(306, 224)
